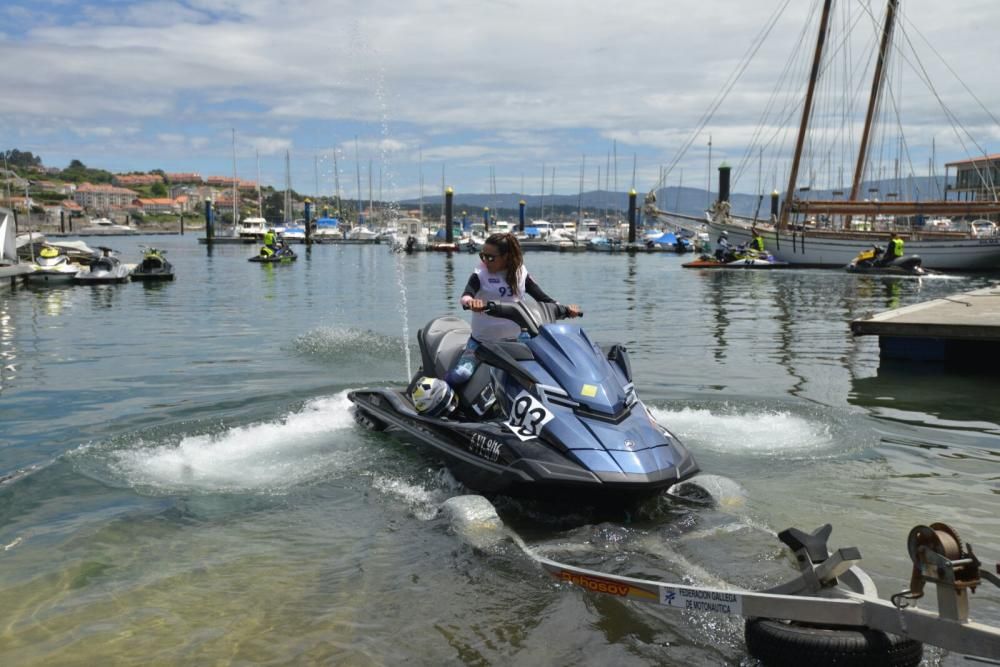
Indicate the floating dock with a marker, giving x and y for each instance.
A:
(962, 328)
(10, 274)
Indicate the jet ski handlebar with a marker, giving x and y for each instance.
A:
(530, 319)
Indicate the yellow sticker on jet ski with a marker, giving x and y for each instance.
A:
(589, 390)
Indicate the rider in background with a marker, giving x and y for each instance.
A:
(724, 247)
(500, 277)
(893, 250)
(270, 243)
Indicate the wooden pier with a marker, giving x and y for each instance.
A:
(10, 274)
(962, 328)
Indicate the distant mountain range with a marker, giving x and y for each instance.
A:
(688, 201)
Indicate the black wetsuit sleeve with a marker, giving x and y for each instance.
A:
(535, 292)
(472, 287)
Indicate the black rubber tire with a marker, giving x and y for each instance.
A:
(368, 420)
(785, 644)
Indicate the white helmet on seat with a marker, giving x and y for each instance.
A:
(433, 397)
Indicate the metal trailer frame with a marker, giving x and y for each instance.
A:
(830, 589)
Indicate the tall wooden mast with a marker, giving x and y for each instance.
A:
(880, 69)
(806, 111)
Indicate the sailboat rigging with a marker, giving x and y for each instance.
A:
(817, 231)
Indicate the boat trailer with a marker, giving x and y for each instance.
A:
(832, 595)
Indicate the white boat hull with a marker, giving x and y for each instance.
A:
(52, 276)
(838, 249)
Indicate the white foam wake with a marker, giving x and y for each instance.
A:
(765, 432)
(267, 456)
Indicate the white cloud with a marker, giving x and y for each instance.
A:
(510, 83)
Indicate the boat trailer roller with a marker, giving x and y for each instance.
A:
(832, 592)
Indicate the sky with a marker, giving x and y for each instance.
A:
(493, 93)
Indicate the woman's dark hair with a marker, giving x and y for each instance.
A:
(508, 246)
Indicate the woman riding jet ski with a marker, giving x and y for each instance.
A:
(549, 411)
(873, 261)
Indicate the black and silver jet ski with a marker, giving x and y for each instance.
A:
(552, 411)
(277, 255)
(870, 261)
(154, 266)
(105, 269)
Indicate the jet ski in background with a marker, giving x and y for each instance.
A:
(105, 269)
(737, 258)
(53, 266)
(154, 266)
(280, 253)
(551, 411)
(870, 261)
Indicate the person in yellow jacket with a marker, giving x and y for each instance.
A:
(893, 249)
(270, 243)
(756, 240)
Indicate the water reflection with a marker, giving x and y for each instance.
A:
(8, 347)
(270, 292)
(53, 299)
(449, 278)
(933, 392)
(105, 296)
(716, 281)
(631, 281)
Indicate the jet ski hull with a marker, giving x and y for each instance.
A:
(153, 271)
(488, 458)
(904, 266)
(274, 259)
(51, 277)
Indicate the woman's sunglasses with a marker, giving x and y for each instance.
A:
(487, 258)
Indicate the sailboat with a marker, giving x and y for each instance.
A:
(831, 232)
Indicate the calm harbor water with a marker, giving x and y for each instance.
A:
(183, 482)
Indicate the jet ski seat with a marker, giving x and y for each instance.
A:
(441, 341)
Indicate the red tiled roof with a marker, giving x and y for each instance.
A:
(88, 187)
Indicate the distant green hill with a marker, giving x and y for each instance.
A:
(689, 201)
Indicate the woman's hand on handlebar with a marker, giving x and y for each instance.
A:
(477, 305)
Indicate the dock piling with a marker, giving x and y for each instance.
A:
(449, 197)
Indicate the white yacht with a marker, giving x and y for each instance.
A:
(252, 228)
(361, 233)
(327, 229)
(106, 226)
(407, 228)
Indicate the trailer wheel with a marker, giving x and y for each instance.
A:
(369, 421)
(786, 644)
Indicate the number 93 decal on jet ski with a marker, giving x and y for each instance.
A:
(527, 416)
